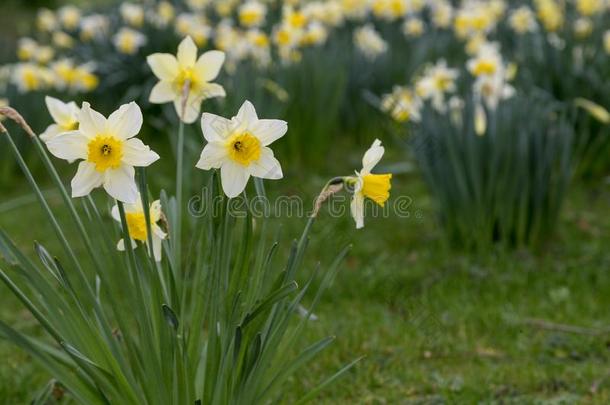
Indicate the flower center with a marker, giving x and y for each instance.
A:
(105, 152)
(484, 67)
(136, 225)
(186, 75)
(377, 187)
(244, 148)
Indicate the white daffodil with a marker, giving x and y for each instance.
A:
(65, 116)
(108, 149)
(239, 148)
(372, 186)
(185, 80)
(136, 225)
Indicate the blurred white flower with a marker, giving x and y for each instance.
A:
(252, 13)
(239, 148)
(108, 149)
(128, 40)
(186, 80)
(369, 42)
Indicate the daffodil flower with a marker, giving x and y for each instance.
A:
(365, 184)
(186, 80)
(239, 148)
(65, 116)
(136, 225)
(108, 149)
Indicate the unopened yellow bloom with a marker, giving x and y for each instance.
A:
(589, 7)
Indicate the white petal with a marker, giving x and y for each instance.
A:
(125, 122)
(212, 156)
(192, 109)
(246, 114)
(357, 209)
(211, 90)
(135, 153)
(50, 132)
(209, 64)
(234, 178)
(62, 113)
(163, 65)
(372, 156)
(114, 212)
(267, 131)
(157, 248)
(187, 53)
(155, 211)
(214, 127)
(121, 245)
(267, 166)
(68, 145)
(120, 183)
(163, 92)
(90, 122)
(86, 179)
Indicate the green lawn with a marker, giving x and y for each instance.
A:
(435, 326)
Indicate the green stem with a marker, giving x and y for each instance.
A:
(179, 191)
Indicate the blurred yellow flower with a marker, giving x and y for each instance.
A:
(30, 77)
(128, 41)
(62, 40)
(583, 27)
(252, 14)
(46, 21)
(522, 20)
(26, 49)
(132, 14)
(590, 7)
(413, 27)
(550, 13)
(70, 17)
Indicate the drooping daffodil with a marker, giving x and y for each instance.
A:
(136, 225)
(108, 149)
(185, 79)
(365, 184)
(239, 147)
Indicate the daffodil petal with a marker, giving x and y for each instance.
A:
(234, 178)
(62, 113)
(372, 156)
(209, 64)
(192, 109)
(86, 179)
(211, 90)
(246, 114)
(70, 145)
(267, 131)
(157, 248)
(163, 92)
(214, 127)
(212, 156)
(125, 122)
(136, 153)
(187, 53)
(50, 132)
(267, 166)
(90, 122)
(163, 65)
(357, 210)
(120, 183)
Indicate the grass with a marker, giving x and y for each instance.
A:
(434, 325)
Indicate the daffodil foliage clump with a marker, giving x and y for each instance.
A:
(500, 181)
(135, 312)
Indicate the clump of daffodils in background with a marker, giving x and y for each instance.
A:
(108, 151)
(185, 79)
